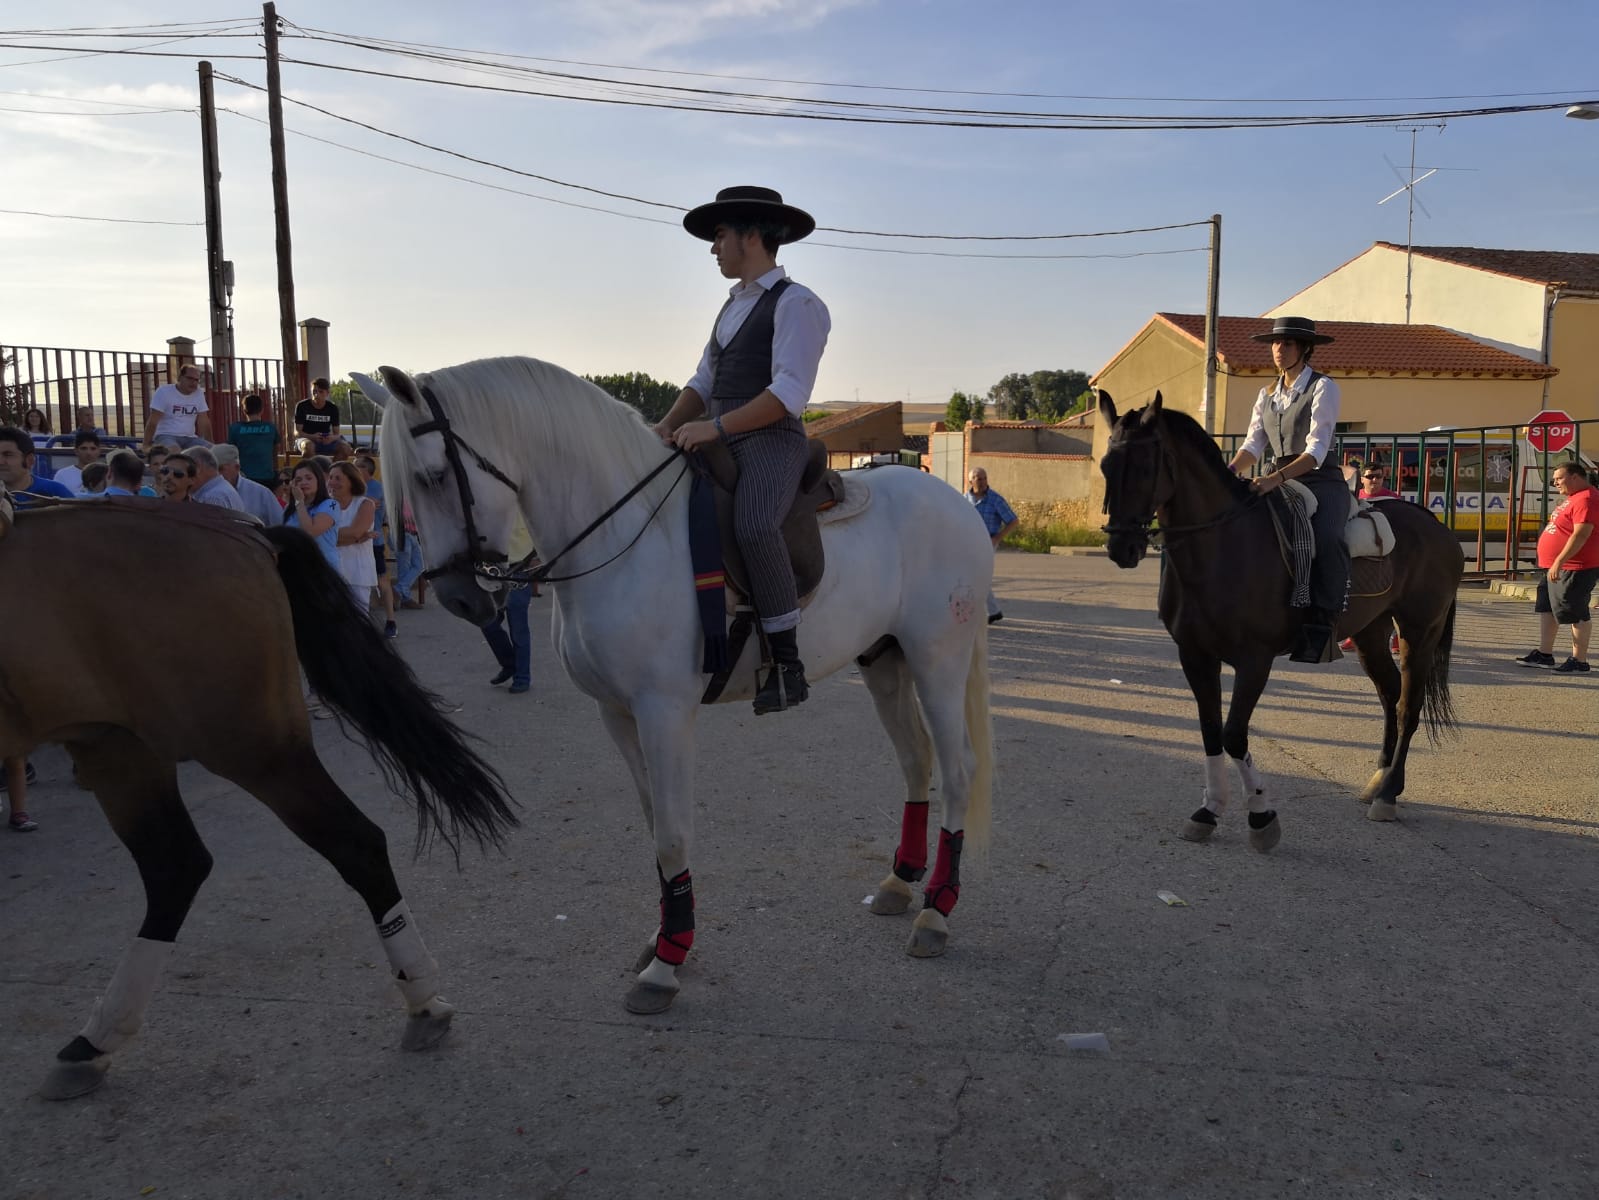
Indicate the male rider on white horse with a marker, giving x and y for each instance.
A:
(1296, 418)
(753, 381)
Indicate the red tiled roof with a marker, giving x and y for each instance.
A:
(1568, 268)
(1364, 346)
(843, 420)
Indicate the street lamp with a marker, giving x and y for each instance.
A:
(1584, 112)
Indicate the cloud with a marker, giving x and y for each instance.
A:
(636, 29)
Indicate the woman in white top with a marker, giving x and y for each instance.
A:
(353, 515)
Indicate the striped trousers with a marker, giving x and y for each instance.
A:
(770, 463)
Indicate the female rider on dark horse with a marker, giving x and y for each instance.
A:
(1296, 418)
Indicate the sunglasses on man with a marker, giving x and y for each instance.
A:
(178, 471)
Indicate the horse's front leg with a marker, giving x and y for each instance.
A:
(1203, 672)
(660, 753)
(1249, 681)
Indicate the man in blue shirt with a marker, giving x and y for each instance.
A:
(127, 475)
(997, 517)
(16, 469)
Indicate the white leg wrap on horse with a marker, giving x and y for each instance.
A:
(119, 1013)
(415, 972)
(661, 974)
(1254, 786)
(1216, 793)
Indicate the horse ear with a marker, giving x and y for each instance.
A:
(401, 386)
(1151, 411)
(372, 389)
(1107, 407)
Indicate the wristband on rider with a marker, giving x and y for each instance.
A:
(720, 432)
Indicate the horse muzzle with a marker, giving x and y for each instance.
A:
(464, 597)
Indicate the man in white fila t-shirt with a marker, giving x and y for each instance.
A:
(179, 416)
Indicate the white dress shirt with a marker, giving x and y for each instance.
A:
(799, 335)
(1323, 416)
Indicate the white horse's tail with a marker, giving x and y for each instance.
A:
(980, 729)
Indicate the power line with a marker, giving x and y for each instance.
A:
(1064, 122)
(678, 208)
(61, 112)
(380, 42)
(24, 212)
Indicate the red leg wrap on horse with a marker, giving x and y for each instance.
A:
(910, 860)
(944, 888)
(676, 936)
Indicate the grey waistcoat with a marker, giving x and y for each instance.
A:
(742, 369)
(1288, 430)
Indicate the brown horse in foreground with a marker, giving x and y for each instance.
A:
(1224, 591)
(99, 600)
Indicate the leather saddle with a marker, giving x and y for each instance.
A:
(820, 488)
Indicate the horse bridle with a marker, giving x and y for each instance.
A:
(493, 565)
(1141, 524)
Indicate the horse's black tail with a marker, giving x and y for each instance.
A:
(351, 667)
(1437, 706)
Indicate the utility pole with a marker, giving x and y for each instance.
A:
(1212, 301)
(221, 327)
(280, 205)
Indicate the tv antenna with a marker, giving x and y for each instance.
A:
(1408, 190)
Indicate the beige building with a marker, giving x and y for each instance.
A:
(1540, 304)
(1392, 378)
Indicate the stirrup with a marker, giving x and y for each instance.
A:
(785, 687)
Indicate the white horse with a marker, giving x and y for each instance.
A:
(467, 446)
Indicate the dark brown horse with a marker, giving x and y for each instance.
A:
(1224, 594)
(99, 603)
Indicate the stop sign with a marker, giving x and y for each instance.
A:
(1551, 430)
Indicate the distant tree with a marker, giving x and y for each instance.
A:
(958, 411)
(1012, 397)
(653, 398)
(814, 414)
(14, 397)
(1056, 392)
(1038, 396)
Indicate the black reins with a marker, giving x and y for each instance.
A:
(1141, 524)
(493, 565)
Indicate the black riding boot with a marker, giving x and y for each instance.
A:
(785, 686)
(1315, 642)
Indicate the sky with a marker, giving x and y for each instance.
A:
(421, 271)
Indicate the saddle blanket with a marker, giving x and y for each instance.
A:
(1368, 533)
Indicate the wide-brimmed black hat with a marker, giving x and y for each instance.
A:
(748, 204)
(1299, 329)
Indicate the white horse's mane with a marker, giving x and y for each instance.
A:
(525, 410)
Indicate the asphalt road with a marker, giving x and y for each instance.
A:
(1405, 1010)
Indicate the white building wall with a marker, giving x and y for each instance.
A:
(1503, 312)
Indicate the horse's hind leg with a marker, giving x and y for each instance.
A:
(139, 795)
(888, 679)
(1372, 642)
(297, 787)
(940, 673)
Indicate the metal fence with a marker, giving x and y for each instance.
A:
(1490, 484)
(116, 386)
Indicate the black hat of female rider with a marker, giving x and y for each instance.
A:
(1293, 329)
(739, 205)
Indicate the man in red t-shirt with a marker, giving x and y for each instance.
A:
(1568, 554)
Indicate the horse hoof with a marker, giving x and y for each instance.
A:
(1265, 839)
(69, 1080)
(929, 936)
(1382, 810)
(646, 999)
(423, 1031)
(893, 897)
(1197, 831)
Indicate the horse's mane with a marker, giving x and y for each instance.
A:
(500, 404)
(1190, 434)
